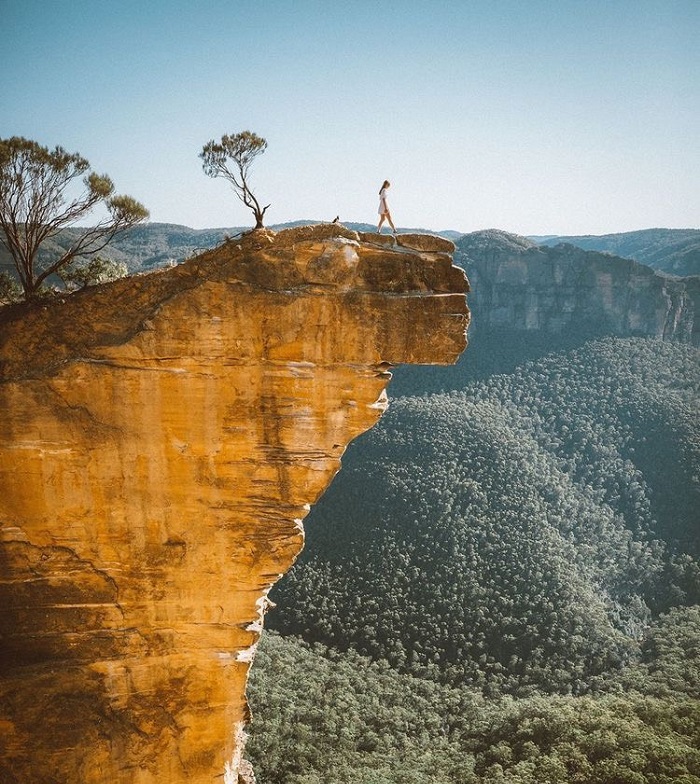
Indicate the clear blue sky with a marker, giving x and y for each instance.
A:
(534, 116)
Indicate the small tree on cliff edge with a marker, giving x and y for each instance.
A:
(241, 149)
(39, 196)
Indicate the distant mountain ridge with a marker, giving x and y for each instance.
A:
(519, 285)
(674, 251)
(152, 245)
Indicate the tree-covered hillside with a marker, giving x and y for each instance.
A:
(505, 580)
(518, 536)
(141, 248)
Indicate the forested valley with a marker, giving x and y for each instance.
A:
(502, 584)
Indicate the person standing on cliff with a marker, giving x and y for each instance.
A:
(383, 210)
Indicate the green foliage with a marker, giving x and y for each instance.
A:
(95, 270)
(669, 666)
(20, 158)
(39, 198)
(9, 290)
(100, 185)
(240, 149)
(321, 716)
(517, 536)
(591, 741)
(125, 210)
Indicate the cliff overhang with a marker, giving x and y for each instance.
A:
(163, 437)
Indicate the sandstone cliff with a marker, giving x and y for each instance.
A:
(519, 285)
(161, 441)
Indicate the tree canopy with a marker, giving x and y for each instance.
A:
(231, 158)
(43, 191)
(322, 716)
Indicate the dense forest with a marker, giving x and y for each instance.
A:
(520, 552)
(320, 716)
(519, 534)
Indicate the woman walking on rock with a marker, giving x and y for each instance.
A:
(384, 213)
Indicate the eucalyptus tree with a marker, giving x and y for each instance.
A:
(43, 191)
(231, 158)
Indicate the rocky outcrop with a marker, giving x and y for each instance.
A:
(519, 285)
(162, 439)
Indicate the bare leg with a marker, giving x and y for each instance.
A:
(381, 220)
(391, 222)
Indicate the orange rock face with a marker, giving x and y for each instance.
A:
(161, 441)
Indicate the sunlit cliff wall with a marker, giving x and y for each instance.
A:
(161, 439)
